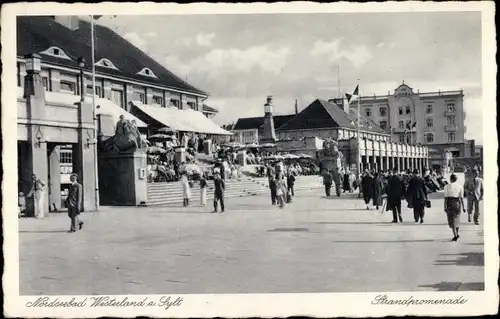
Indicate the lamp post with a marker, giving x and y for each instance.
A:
(81, 65)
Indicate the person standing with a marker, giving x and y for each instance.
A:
(453, 205)
(394, 195)
(327, 181)
(280, 190)
(367, 188)
(474, 189)
(273, 188)
(74, 203)
(38, 192)
(346, 182)
(219, 188)
(290, 181)
(203, 189)
(378, 189)
(417, 196)
(186, 190)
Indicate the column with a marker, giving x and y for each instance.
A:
(406, 162)
(381, 161)
(54, 178)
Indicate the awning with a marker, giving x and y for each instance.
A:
(181, 120)
(103, 106)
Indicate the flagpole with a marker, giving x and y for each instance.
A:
(358, 158)
(92, 45)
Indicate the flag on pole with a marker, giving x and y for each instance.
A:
(353, 96)
(410, 125)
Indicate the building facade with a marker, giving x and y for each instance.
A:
(435, 119)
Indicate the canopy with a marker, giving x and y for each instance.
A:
(181, 120)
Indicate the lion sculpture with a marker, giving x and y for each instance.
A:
(127, 138)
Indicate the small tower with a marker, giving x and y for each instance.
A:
(269, 135)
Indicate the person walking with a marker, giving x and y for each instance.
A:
(367, 188)
(290, 181)
(38, 192)
(273, 189)
(394, 195)
(74, 203)
(327, 181)
(219, 188)
(203, 189)
(378, 189)
(346, 182)
(417, 196)
(453, 205)
(474, 189)
(186, 189)
(280, 190)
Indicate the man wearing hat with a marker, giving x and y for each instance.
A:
(473, 188)
(74, 203)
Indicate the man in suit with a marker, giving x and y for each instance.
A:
(74, 203)
(473, 188)
(219, 188)
(327, 181)
(394, 194)
(417, 196)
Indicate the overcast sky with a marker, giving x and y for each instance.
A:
(240, 59)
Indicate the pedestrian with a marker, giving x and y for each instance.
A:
(366, 188)
(417, 196)
(378, 189)
(38, 192)
(474, 190)
(21, 204)
(219, 188)
(453, 205)
(203, 189)
(394, 195)
(327, 181)
(273, 189)
(347, 182)
(186, 190)
(74, 203)
(290, 181)
(280, 190)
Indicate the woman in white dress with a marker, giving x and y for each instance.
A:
(186, 190)
(38, 191)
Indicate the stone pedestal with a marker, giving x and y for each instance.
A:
(123, 179)
(207, 147)
(180, 154)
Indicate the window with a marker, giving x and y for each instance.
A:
(429, 137)
(450, 119)
(158, 100)
(400, 111)
(429, 122)
(428, 109)
(176, 103)
(192, 105)
(106, 63)
(383, 125)
(401, 124)
(66, 160)
(97, 90)
(401, 138)
(383, 111)
(408, 123)
(368, 112)
(451, 137)
(450, 107)
(45, 82)
(408, 110)
(147, 72)
(57, 52)
(117, 98)
(68, 86)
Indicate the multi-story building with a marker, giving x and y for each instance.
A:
(250, 129)
(55, 118)
(435, 119)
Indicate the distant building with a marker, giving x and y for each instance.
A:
(250, 129)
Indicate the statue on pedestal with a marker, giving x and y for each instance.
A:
(127, 138)
(330, 159)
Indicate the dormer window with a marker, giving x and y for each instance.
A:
(147, 72)
(57, 52)
(106, 63)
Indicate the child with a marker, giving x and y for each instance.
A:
(21, 203)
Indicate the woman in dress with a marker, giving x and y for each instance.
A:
(367, 185)
(186, 190)
(280, 191)
(453, 204)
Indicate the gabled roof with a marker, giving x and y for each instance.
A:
(321, 114)
(38, 33)
(249, 123)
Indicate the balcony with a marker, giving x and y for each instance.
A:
(451, 128)
(448, 112)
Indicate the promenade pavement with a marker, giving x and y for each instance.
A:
(315, 244)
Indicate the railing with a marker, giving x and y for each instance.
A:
(439, 93)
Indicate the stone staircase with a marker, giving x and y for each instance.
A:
(170, 194)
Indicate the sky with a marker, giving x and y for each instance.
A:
(241, 59)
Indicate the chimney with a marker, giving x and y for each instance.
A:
(296, 107)
(70, 22)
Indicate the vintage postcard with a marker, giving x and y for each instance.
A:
(249, 160)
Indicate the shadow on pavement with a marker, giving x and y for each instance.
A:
(463, 259)
(456, 286)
